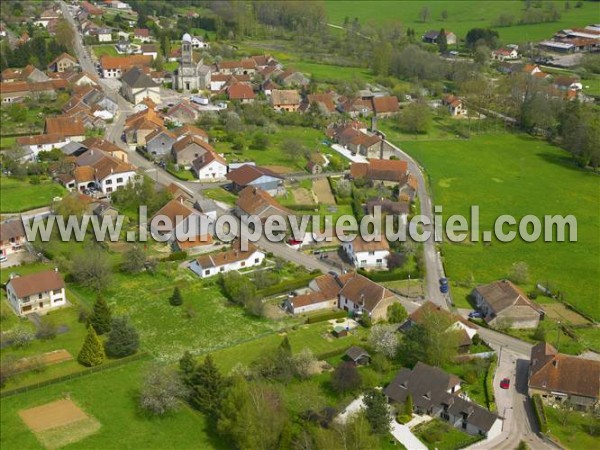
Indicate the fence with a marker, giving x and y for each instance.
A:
(71, 376)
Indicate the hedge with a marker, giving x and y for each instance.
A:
(303, 207)
(540, 414)
(177, 256)
(490, 399)
(326, 316)
(389, 275)
(286, 286)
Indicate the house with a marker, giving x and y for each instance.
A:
(12, 237)
(359, 295)
(505, 304)
(256, 202)
(242, 67)
(385, 170)
(358, 355)
(324, 103)
(182, 112)
(160, 142)
(436, 393)
(37, 292)
(29, 74)
(367, 255)
(431, 37)
(241, 92)
(568, 84)
(192, 246)
(16, 91)
(33, 145)
(177, 191)
(103, 34)
(455, 105)
(136, 86)
(149, 50)
(178, 221)
(323, 294)
(62, 63)
(293, 78)
(105, 146)
(143, 34)
(208, 207)
(385, 106)
(210, 167)
(190, 130)
(355, 140)
(140, 125)
(564, 379)
(116, 66)
(387, 206)
(223, 262)
(255, 176)
(268, 86)
(198, 42)
(285, 100)
(65, 126)
(505, 54)
(465, 329)
(188, 149)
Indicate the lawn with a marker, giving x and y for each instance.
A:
(441, 436)
(111, 397)
(20, 195)
(7, 142)
(220, 195)
(462, 16)
(171, 66)
(101, 50)
(516, 175)
(574, 432)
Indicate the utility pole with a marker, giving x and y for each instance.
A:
(558, 335)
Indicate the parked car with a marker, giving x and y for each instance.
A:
(505, 383)
(333, 273)
(476, 315)
(3, 258)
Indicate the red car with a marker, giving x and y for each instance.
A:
(505, 383)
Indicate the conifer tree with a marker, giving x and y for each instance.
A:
(101, 317)
(92, 352)
(176, 299)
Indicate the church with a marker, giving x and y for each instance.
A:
(190, 76)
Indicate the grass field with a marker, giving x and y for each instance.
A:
(7, 142)
(574, 433)
(440, 435)
(462, 16)
(101, 50)
(111, 398)
(517, 175)
(17, 195)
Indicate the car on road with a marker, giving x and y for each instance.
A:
(3, 258)
(475, 315)
(444, 285)
(333, 273)
(505, 383)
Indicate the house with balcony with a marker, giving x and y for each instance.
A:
(37, 292)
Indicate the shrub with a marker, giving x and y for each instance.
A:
(403, 418)
(540, 414)
(176, 299)
(123, 339)
(326, 316)
(46, 331)
(92, 352)
(21, 336)
(177, 256)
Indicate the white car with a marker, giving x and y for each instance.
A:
(3, 258)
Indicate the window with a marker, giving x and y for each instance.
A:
(256, 260)
(379, 261)
(207, 272)
(108, 189)
(243, 263)
(222, 269)
(40, 296)
(108, 182)
(371, 253)
(119, 180)
(57, 291)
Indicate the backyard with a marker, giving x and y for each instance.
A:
(18, 195)
(441, 436)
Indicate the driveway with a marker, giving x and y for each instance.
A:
(403, 435)
(348, 154)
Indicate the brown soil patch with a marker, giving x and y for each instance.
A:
(280, 169)
(303, 196)
(558, 311)
(323, 190)
(46, 359)
(59, 423)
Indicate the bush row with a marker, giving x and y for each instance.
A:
(490, 399)
(540, 414)
(326, 316)
(303, 207)
(285, 286)
(389, 275)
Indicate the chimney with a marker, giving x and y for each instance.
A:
(92, 152)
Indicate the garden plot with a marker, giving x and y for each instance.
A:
(59, 423)
(559, 312)
(303, 196)
(323, 191)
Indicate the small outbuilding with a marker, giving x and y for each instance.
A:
(358, 355)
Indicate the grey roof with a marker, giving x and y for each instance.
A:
(205, 205)
(138, 79)
(73, 148)
(476, 415)
(355, 353)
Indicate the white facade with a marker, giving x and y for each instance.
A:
(35, 149)
(217, 85)
(255, 259)
(214, 170)
(136, 95)
(104, 37)
(199, 43)
(40, 303)
(368, 259)
(111, 73)
(115, 181)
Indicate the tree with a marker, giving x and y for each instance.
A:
(70, 205)
(424, 14)
(64, 33)
(293, 149)
(92, 352)
(245, 410)
(382, 58)
(123, 339)
(237, 288)
(345, 377)
(134, 259)
(442, 41)
(376, 411)
(396, 313)
(162, 390)
(101, 317)
(415, 118)
(208, 387)
(408, 405)
(519, 272)
(384, 339)
(303, 363)
(487, 35)
(176, 299)
(481, 55)
(187, 365)
(92, 269)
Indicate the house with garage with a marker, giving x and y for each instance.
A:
(182, 112)
(186, 150)
(137, 86)
(437, 393)
(367, 254)
(179, 221)
(12, 237)
(160, 142)
(464, 329)
(140, 125)
(105, 146)
(62, 63)
(359, 295)
(143, 34)
(222, 262)
(455, 105)
(256, 176)
(210, 167)
(285, 100)
(561, 379)
(350, 136)
(37, 292)
(506, 305)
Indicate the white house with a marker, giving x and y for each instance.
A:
(104, 34)
(368, 255)
(505, 54)
(198, 42)
(37, 292)
(210, 167)
(223, 262)
(42, 142)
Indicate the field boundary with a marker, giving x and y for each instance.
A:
(82, 373)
